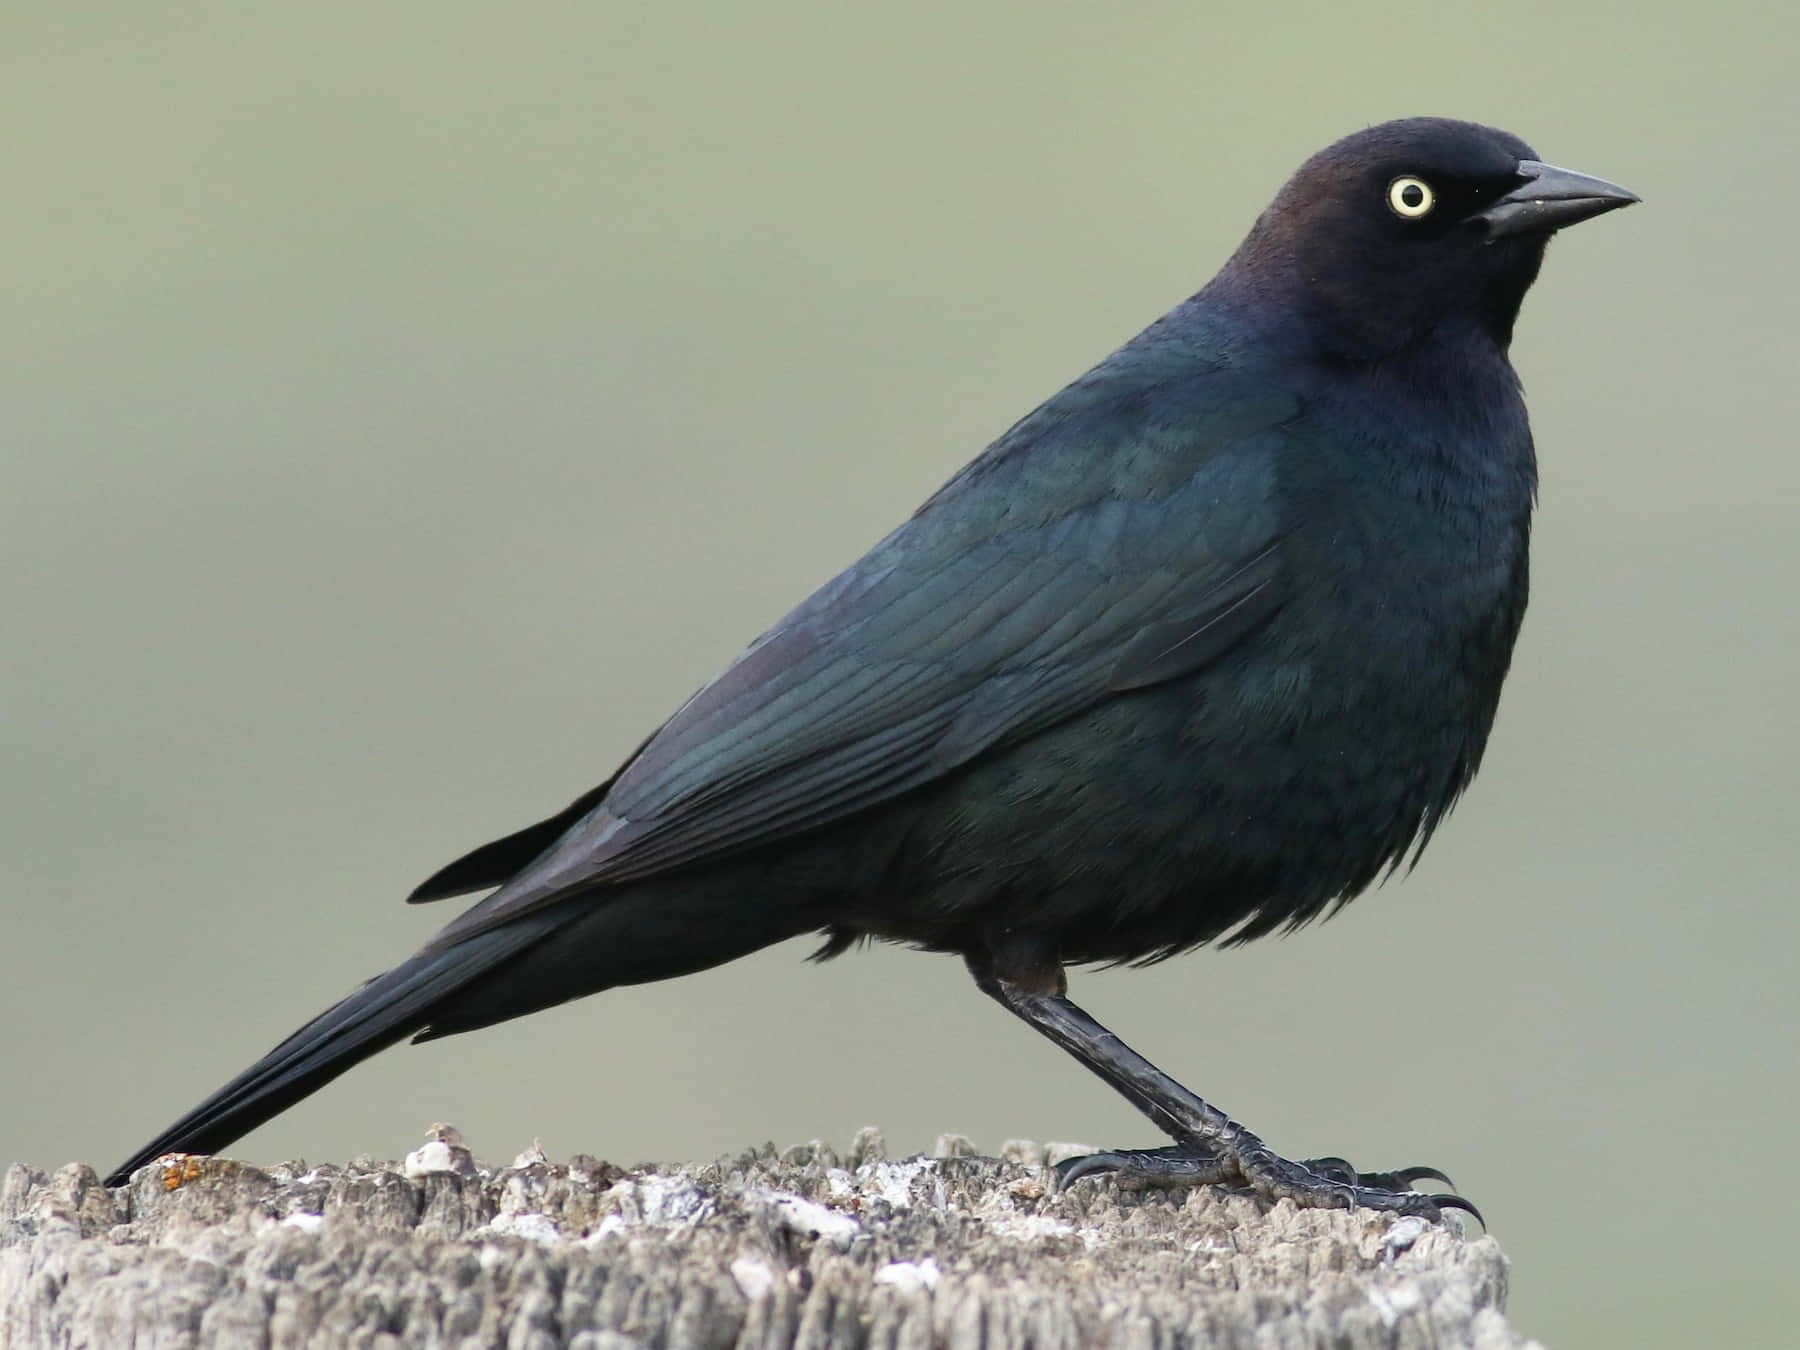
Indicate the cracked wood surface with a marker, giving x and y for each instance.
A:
(801, 1248)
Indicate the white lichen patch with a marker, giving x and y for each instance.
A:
(611, 1224)
(438, 1156)
(1395, 1301)
(893, 1181)
(806, 1217)
(908, 1276)
(660, 1201)
(1401, 1235)
(533, 1227)
(1033, 1228)
(754, 1278)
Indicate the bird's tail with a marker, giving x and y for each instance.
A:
(386, 1009)
(653, 931)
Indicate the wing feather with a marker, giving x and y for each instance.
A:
(934, 649)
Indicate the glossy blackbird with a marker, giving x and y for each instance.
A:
(1192, 653)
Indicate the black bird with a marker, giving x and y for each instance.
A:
(1192, 653)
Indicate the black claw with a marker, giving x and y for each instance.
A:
(1408, 1175)
(1457, 1202)
(1403, 1178)
(1072, 1170)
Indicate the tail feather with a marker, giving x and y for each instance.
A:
(385, 1010)
(654, 930)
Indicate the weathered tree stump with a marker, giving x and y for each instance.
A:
(801, 1248)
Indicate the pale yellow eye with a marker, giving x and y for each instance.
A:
(1409, 197)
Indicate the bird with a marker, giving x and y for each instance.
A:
(1191, 654)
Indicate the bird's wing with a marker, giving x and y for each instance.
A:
(1112, 543)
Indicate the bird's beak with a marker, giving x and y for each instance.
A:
(1549, 199)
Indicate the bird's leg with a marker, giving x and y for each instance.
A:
(1210, 1147)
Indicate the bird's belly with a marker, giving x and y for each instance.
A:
(1172, 816)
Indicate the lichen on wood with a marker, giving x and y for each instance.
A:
(801, 1248)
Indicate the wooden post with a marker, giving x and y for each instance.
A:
(802, 1248)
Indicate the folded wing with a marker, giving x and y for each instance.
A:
(1111, 541)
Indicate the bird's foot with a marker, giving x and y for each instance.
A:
(1211, 1148)
(1316, 1183)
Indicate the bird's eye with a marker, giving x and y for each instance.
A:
(1409, 197)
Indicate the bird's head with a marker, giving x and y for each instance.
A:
(1397, 230)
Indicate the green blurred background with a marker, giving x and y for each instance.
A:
(406, 405)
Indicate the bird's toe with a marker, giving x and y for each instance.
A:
(1140, 1168)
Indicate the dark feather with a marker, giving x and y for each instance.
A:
(912, 663)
